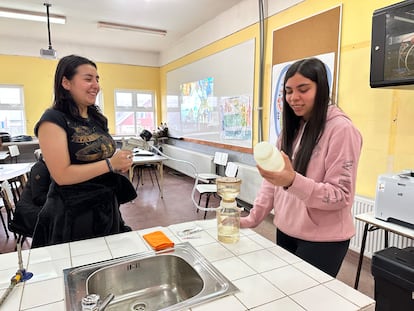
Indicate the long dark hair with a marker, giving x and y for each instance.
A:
(67, 67)
(313, 69)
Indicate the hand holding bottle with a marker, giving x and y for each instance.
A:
(273, 165)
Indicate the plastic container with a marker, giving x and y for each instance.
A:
(268, 157)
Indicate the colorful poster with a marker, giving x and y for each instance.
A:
(236, 116)
(278, 76)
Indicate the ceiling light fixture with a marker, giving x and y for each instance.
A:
(151, 31)
(31, 16)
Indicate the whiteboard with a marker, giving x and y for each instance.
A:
(212, 99)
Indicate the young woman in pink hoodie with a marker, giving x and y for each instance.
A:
(312, 196)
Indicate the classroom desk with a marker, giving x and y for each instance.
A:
(372, 224)
(34, 142)
(152, 159)
(9, 171)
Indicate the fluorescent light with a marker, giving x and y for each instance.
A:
(32, 16)
(152, 31)
(403, 19)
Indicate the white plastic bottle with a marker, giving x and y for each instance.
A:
(268, 156)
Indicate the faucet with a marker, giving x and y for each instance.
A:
(20, 276)
(93, 302)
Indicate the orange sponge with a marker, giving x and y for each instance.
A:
(158, 240)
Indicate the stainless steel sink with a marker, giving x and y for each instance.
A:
(172, 279)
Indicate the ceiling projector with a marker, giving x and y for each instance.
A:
(48, 53)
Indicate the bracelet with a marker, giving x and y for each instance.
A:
(111, 169)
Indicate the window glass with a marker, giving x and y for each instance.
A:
(12, 118)
(99, 101)
(123, 99)
(10, 95)
(144, 100)
(134, 112)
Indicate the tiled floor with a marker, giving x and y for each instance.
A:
(149, 210)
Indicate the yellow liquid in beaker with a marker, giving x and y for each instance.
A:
(228, 226)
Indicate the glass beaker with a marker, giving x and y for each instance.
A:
(228, 214)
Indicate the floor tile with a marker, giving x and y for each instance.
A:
(289, 279)
(49, 253)
(256, 290)
(233, 268)
(41, 293)
(284, 304)
(229, 303)
(263, 260)
(87, 246)
(214, 252)
(307, 299)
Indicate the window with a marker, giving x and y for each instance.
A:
(134, 111)
(99, 101)
(12, 118)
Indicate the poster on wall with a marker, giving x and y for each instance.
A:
(278, 76)
(236, 118)
(197, 105)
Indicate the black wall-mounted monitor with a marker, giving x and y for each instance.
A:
(392, 46)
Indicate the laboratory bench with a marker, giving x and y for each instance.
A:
(267, 276)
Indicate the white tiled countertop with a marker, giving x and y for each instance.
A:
(268, 277)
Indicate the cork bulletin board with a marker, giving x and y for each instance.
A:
(318, 34)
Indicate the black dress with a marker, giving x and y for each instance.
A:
(88, 209)
(31, 200)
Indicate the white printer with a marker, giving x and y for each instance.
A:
(394, 201)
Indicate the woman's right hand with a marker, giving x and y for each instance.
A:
(121, 161)
(282, 178)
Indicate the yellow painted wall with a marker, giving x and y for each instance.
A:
(36, 76)
(384, 116)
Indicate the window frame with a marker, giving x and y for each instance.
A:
(15, 107)
(135, 108)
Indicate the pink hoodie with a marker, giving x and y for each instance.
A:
(317, 207)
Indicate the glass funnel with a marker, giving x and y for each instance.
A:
(228, 188)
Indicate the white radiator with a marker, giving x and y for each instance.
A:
(251, 181)
(203, 162)
(375, 239)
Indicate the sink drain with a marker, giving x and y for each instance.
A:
(139, 307)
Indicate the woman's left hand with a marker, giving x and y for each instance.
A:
(122, 160)
(283, 178)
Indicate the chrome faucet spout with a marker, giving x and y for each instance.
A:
(93, 302)
(106, 302)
